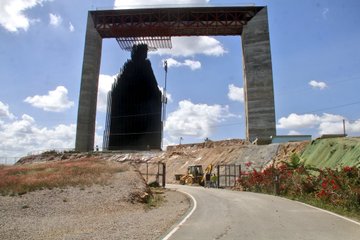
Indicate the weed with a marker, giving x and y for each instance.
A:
(154, 201)
(154, 184)
(17, 180)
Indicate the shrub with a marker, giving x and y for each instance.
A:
(336, 188)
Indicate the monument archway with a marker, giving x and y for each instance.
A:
(251, 23)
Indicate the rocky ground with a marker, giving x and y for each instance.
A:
(114, 211)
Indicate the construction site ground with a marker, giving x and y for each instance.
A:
(320, 153)
(114, 211)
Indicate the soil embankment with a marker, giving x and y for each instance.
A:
(320, 153)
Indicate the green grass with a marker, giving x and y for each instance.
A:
(18, 180)
(156, 200)
(332, 153)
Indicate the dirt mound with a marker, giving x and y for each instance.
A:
(115, 156)
(208, 144)
(287, 149)
(178, 158)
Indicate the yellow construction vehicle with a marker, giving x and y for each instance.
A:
(194, 175)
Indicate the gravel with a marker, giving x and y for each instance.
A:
(96, 212)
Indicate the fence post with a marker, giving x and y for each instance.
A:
(277, 185)
(164, 175)
(218, 176)
(158, 173)
(235, 177)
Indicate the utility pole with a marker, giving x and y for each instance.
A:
(344, 127)
(164, 102)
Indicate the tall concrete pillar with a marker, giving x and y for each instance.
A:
(85, 131)
(258, 79)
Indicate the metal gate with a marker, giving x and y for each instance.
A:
(228, 174)
(152, 172)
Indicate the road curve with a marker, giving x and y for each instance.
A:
(223, 214)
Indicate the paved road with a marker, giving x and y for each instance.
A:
(222, 214)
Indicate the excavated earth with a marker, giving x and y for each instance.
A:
(114, 211)
(179, 157)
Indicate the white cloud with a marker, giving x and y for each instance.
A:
(105, 83)
(325, 12)
(5, 112)
(195, 120)
(12, 14)
(71, 27)
(191, 46)
(132, 3)
(167, 142)
(193, 65)
(336, 127)
(325, 123)
(331, 128)
(235, 93)
(295, 121)
(56, 100)
(22, 136)
(55, 20)
(293, 132)
(317, 84)
(353, 127)
(168, 95)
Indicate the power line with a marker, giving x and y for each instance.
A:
(334, 107)
(305, 89)
(226, 125)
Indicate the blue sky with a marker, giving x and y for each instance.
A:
(316, 70)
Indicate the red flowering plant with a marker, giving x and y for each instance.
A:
(344, 186)
(339, 187)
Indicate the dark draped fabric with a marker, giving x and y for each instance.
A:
(134, 106)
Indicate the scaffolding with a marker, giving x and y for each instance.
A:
(153, 43)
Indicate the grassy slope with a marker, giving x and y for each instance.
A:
(332, 153)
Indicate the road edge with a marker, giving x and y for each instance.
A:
(317, 208)
(176, 226)
(329, 212)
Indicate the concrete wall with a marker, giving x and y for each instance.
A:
(290, 138)
(258, 80)
(85, 131)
